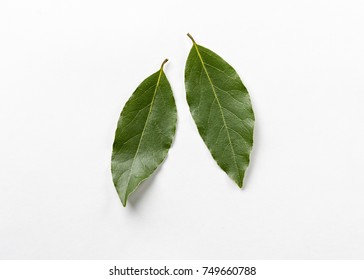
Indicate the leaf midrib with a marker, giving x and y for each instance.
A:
(220, 107)
(145, 125)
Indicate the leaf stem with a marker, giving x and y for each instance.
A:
(164, 62)
(193, 40)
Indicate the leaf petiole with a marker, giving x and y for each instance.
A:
(193, 40)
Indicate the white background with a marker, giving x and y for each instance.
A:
(68, 67)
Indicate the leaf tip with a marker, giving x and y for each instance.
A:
(123, 201)
(239, 181)
(123, 198)
(189, 36)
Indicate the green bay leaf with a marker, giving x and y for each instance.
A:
(221, 108)
(144, 133)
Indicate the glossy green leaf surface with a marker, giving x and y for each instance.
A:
(144, 134)
(222, 110)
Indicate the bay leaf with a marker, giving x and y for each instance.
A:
(221, 108)
(144, 133)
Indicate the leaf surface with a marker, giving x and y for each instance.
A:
(144, 134)
(221, 108)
